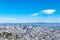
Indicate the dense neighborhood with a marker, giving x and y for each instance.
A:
(30, 31)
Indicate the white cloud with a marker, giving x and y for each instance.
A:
(35, 14)
(47, 11)
(9, 20)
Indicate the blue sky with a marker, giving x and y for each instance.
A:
(29, 11)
